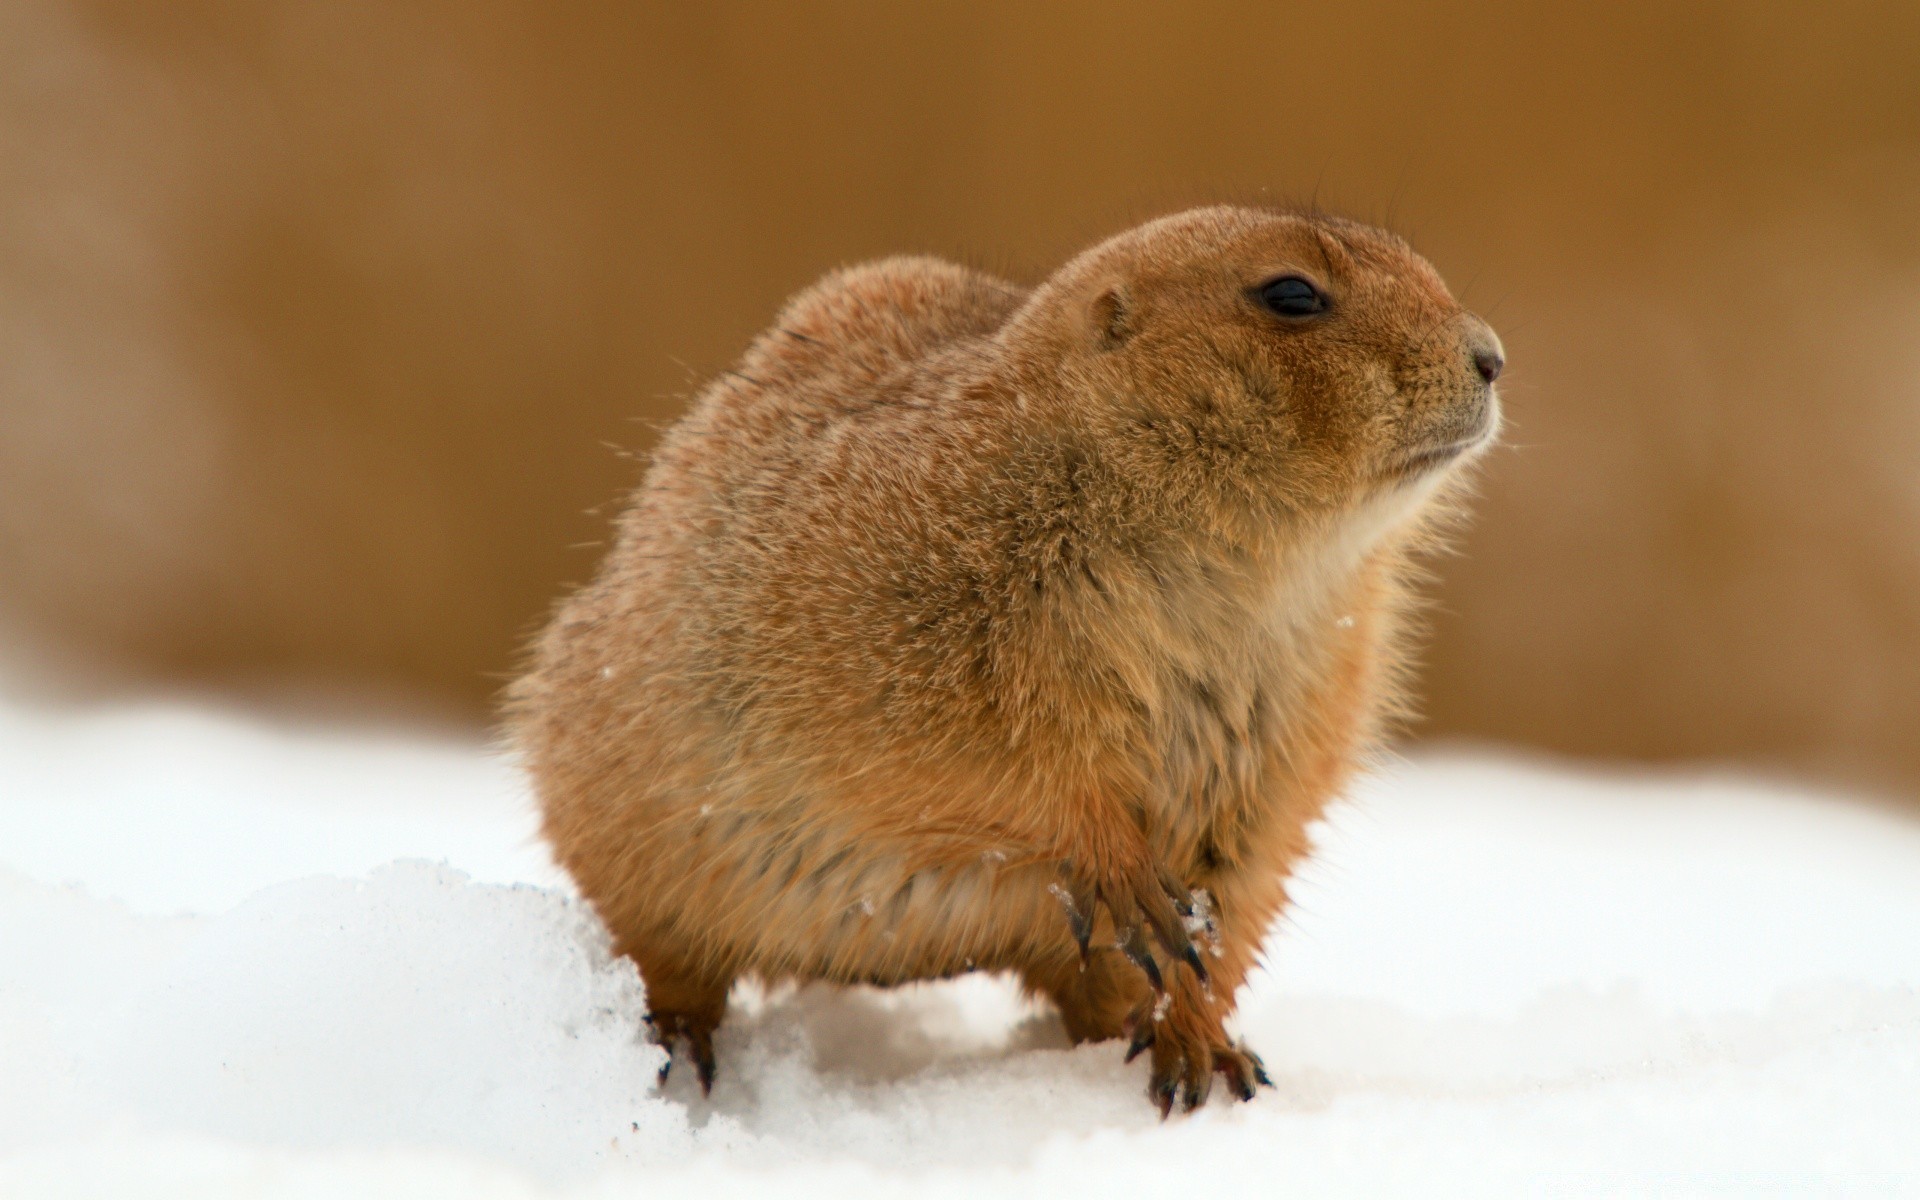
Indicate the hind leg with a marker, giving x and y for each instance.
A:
(684, 1007)
(1095, 1000)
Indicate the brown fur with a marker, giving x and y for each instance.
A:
(952, 592)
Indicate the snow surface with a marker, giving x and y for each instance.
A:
(1502, 977)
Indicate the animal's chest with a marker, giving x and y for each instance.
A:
(1246, 741)
(1210, 751)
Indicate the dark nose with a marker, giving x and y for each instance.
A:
(1484, 348)
(1488, 363)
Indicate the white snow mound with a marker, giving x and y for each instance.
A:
(412, 1008)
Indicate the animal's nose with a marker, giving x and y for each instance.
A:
(1483, 346)
(1488, 363)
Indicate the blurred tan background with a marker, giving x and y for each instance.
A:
(320, 322)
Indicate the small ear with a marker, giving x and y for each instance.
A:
(1112, 318)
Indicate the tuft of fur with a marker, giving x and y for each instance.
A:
(960, 622)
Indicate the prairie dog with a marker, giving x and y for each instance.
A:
(967, 626)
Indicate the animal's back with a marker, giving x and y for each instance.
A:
(656, 694)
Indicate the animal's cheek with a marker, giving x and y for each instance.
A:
(1351, 407)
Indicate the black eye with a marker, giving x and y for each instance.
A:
(1292, 296)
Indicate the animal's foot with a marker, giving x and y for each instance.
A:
(1186, 1059)
(1142, 900)
(674, 1030)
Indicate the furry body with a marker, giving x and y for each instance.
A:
(952, 591)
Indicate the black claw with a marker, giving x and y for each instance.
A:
(665, 1071)
(1142, 1038)
(1239, 1071)
(1260, 1070)
(1082, 928)
(1134, 944)
(1153, 973)
(1161, 1093)
(1077, 902)
(1192, 957)
(701, 1045)
(1174, 940)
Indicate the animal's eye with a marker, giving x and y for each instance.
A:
(1292, 296)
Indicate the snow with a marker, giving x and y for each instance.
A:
(245, 958)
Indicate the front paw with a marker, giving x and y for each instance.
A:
(1140, 899)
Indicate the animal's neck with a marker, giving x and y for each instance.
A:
(1316, 574)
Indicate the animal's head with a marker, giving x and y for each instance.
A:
(1305, 365)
